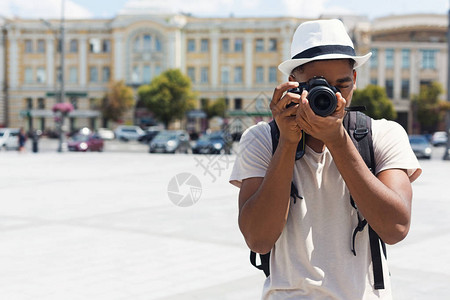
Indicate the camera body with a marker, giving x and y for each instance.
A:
(321, 95)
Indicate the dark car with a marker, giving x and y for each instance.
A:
(421, 146)
(170, 141)
(214, 143)
(148, 136)
(86, 142)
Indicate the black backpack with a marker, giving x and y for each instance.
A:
(359, 128)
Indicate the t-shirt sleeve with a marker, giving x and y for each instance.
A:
(392, 149)
(254, 155)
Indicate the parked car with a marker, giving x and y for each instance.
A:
(105, 133)
(214, 143)
(148, 136)
(126, 133)
(421, 146)
(170, 141)
(439, 138)
(86, 142)
(9, 138)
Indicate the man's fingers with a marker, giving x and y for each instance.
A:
(280, 89)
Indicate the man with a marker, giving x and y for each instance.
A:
(310, 239)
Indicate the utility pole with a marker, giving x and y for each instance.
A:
(447, 148)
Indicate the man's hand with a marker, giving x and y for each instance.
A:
(285, 117)
(327, 129)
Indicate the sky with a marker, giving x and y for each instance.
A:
(76, 9)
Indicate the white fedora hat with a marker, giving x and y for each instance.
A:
(319, 40)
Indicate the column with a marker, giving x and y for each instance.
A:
(174, 49)
(442, 70)
(119, 56)
(397, 74)
(381, 67)
(50, 61)
(2, 78)
(249, 60)
(414, 84)
(214, 58)
(13, 62)
(82, 67)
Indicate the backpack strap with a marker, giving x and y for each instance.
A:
(359, 128)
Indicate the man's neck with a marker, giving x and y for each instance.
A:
(317, 145)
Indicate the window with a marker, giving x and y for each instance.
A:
(273, 45)
(29, 103)
(204, 46)
(204, 75)
(73, 46)
(135, 76)
(390, 88)
(238, 75)
(93, 103)
(41, 103)
(158, 47)
(146, 74)
(259, 74)
(59, 45)
(58, 74)
(238, 45)
(406, 53)
(191, 45)
(225, 75)
(389, 58)
(137, 44)
(405, 88)
(74, 101)
(374, 59)
(191, 73)
(374, 81)
(93, 74)
(73, 75)
(157, 70)
(238, 103)
(106, 74)
(225, 45)
(94, 45)
(147, 42)
(28, 46)
(28, 75)
(429, 59)
(106, 46)
(40, 75)
(273, 74)
(259, 45)
(41, 46)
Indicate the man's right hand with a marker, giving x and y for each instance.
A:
(290, 132)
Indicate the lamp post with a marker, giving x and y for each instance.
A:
(447, 148)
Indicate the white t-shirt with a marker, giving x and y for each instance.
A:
(312, 258)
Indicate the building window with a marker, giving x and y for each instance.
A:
(238, 103)
(273, 74)
(259, 45)
(40, 75)
(58, 74)
(73, 46)
(137, 44)
(374, 59)
(204, 75)
(191, 45)
(225, 45)
(93, 74)
(93, 103)
(389, 58)
(147, 42)
(273, 45)
(238, 45)
(28, 75)
(191, 73)
(405, 88)
(94, 45)
(58, 45)
(41, 103)
(106, 46)
(28, 46)
(73, 75)
(406, 57)
(374, 81)
(389, 85)
(135, 76)
(157, 70)
(74, 101)
(259, 74)
(204, 45)
(429, 59)
(29, 103)
(225, 75)
(41, 46)
(158, 46)
(106, 74)
(238, 75)
(146, 74)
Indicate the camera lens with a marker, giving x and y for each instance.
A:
(322, 100)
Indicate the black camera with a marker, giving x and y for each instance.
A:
(321, 95)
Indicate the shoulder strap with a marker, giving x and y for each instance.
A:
(359, 128)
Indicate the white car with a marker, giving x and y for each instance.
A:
(105, 133)
(9, 138)
(439, 138)
(126, 133)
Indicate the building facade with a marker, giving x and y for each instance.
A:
(231, 58)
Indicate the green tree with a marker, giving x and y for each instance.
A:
(168, 96)
(375, 100)
(429, 110)
(217, 108)
(118, 100)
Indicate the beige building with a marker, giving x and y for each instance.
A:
(231, 58)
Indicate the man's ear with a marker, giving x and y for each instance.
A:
(354, 79)
(291, 78)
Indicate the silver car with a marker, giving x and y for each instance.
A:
(9, 138)
(171, 141)
(421, 146)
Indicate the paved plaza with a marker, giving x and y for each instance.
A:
(105, 226)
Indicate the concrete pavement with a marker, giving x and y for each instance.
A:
(101, 226)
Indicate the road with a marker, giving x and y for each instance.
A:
(104, 226)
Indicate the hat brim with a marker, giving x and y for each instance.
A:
(287, 66)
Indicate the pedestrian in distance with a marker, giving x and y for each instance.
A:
(22, 138)
(312, 203)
